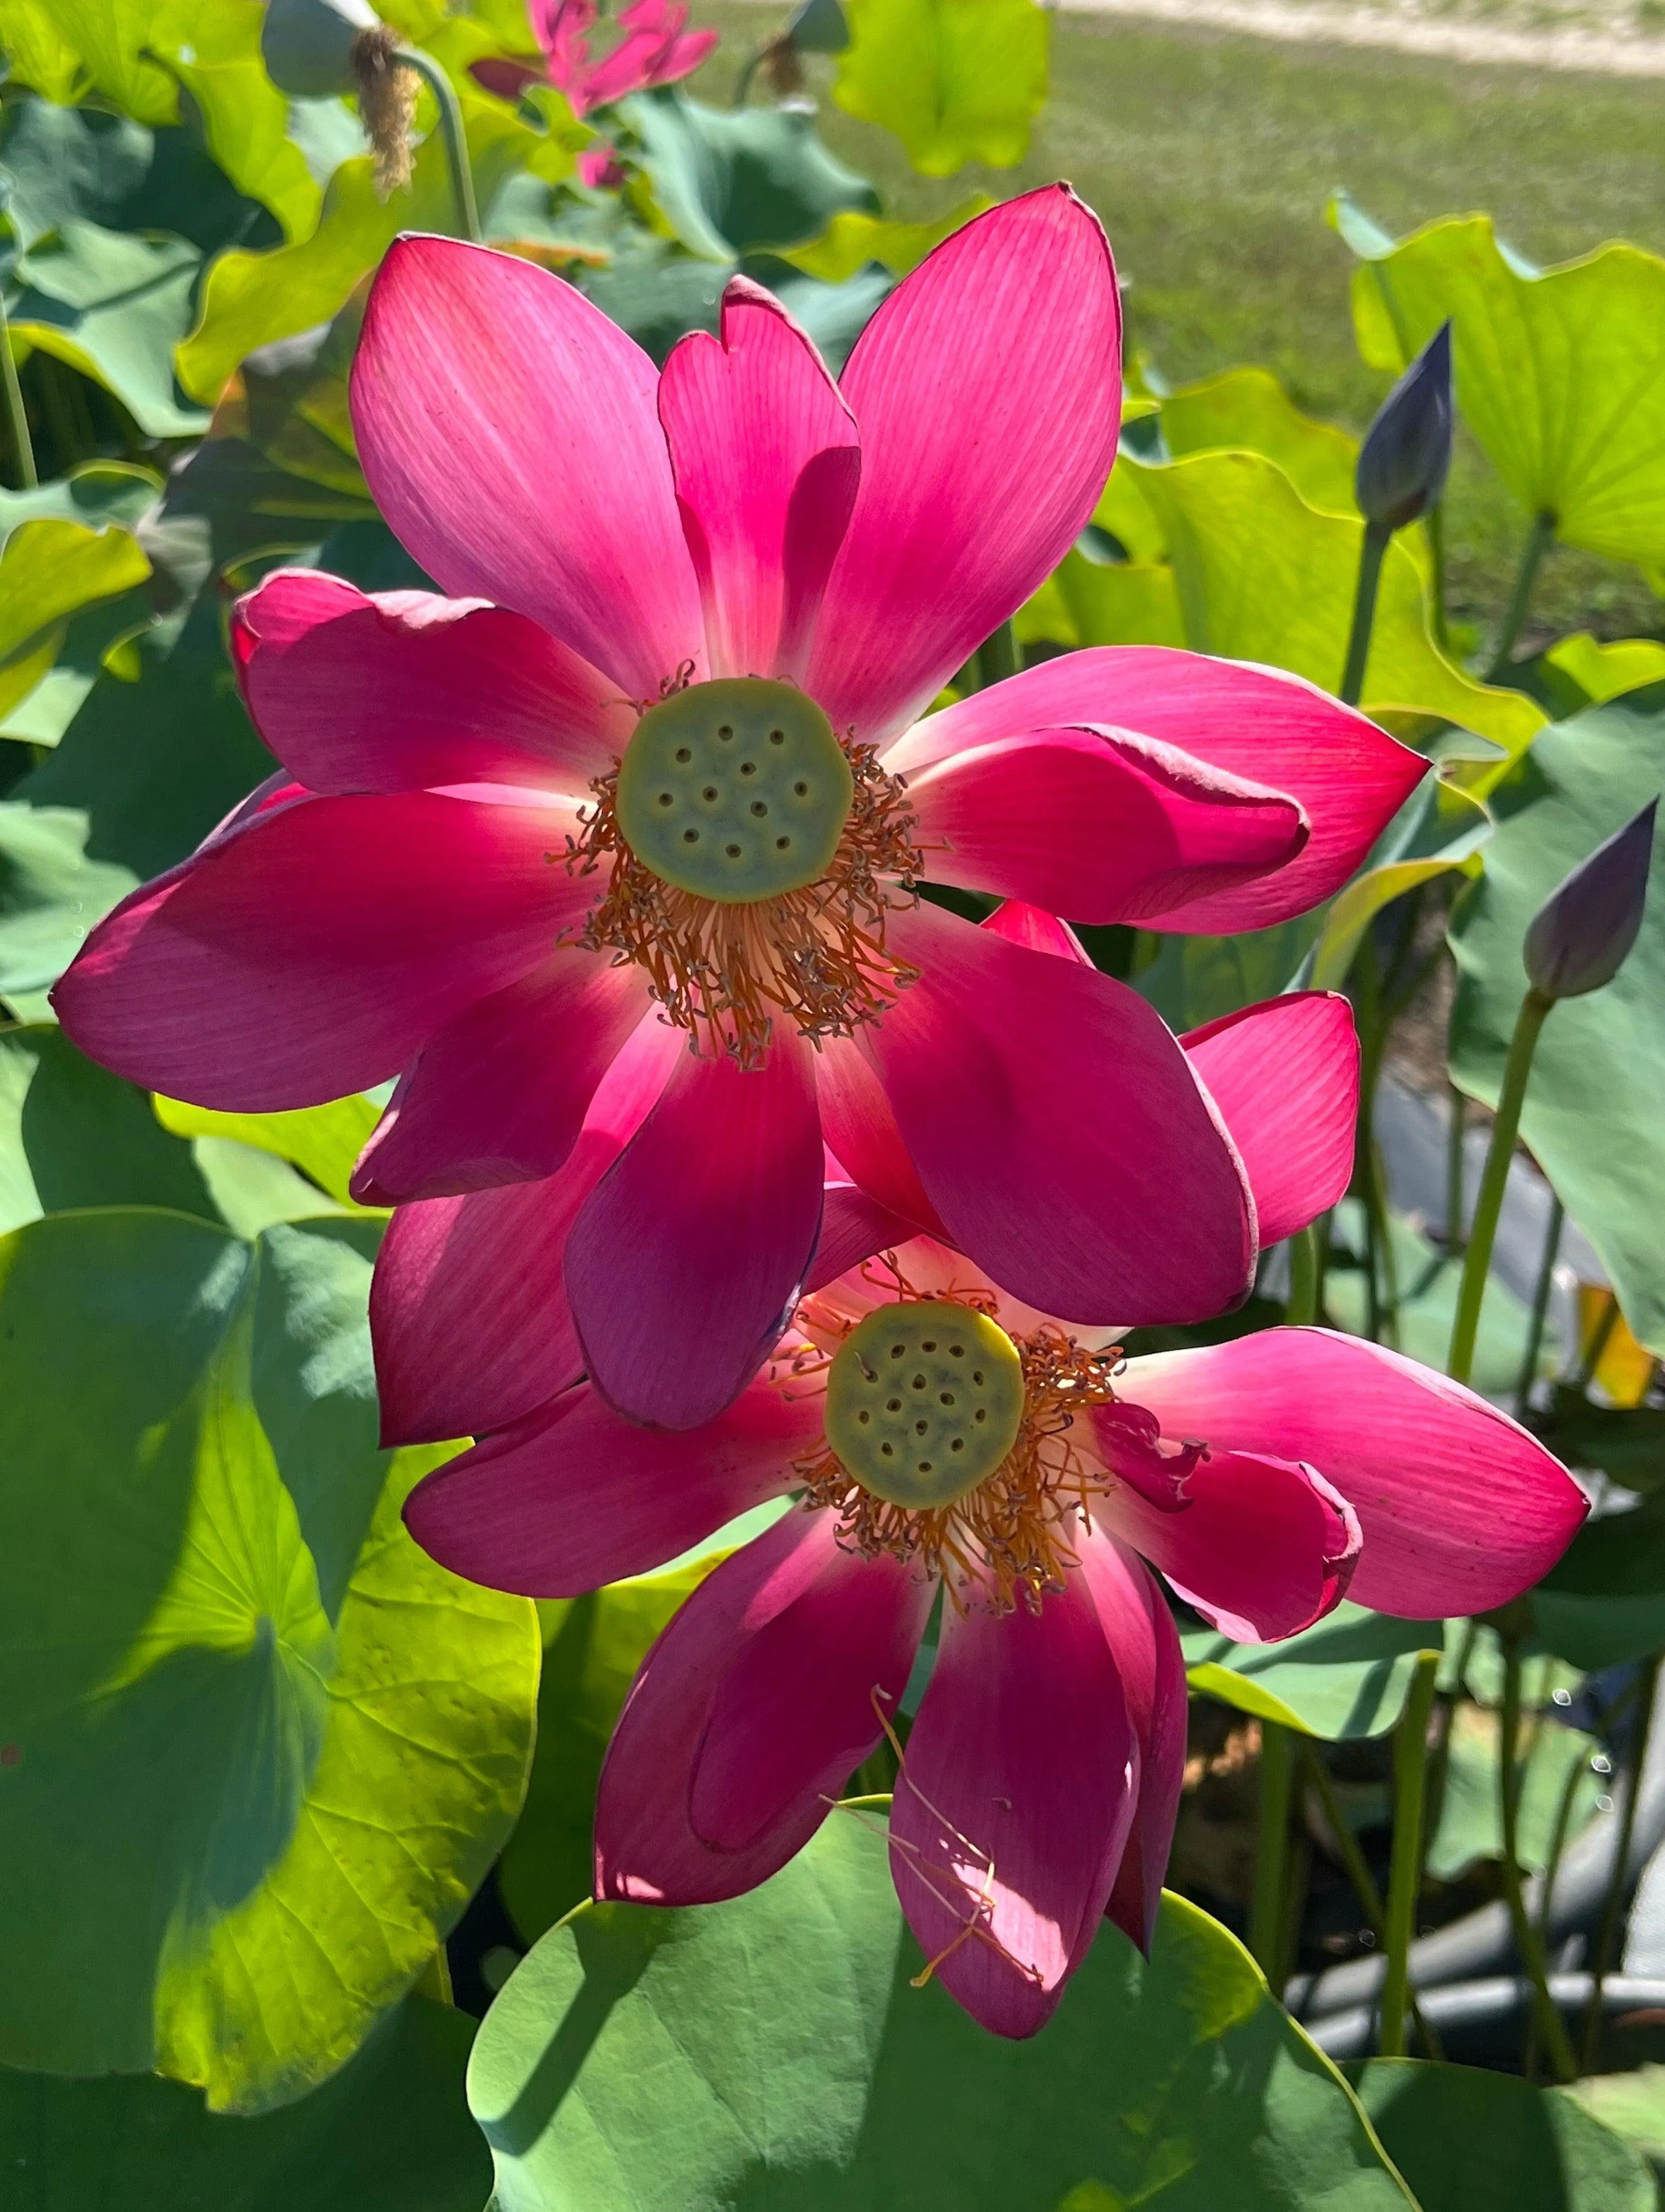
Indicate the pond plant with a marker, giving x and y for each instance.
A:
(762, 1442)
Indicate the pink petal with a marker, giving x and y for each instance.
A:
(987, 390)
(761, 444)
(1273, 729)
(750, 1714)
(1030, 926)
(1284, 1075)
(508, 433)
(468, 1304)
(1460, 1508)
(1014, 1805)
(1263, 1547)
(1144, 1644)
(572, 1497)
(406, 690)
(853, 1227)
(1097, 824)
(1058, 1131)
(499, 1095)
(684, 1263)
(861, 1129)
(313, 951)
(651, 53)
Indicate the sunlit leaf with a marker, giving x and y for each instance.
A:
(49, 571)
(772, 2052)
(111, 37)
(1439, 828)
(1467, 2140)
(851, 241)
(262, 1749)
(1591, 1116)
(323, 1141)
(1347, 1676)
(391, 2133)
(1632, 2105)
(1604, 671)
(1426, 1277)
(1470, 1821)
(957, 80)
(213, 47)
(1560, 373)
(1247, 409)
(31, 31)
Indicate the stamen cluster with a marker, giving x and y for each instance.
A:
(724, 971)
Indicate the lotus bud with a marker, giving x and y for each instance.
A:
(819, 27)
(1581, 935)
(321, 49)
(1407, 449)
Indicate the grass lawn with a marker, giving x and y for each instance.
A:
(1210, 156)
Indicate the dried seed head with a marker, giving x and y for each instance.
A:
(387, 102)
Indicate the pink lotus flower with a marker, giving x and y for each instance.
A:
(517, 858)
(657, 48)
(942, 1433)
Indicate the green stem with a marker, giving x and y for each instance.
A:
(1538, 543)
(1552, 1869)
(435, 1979)
(1358, 1871)
(1302, 1308)
(455, 138)
(743, 82)
(1405, 1875)
(1455, 1129)
(1267, 1907)
(1489, 1204)
(1535, 1335)
(997, 656)
(1614, 1902)
(1551, 2025)
(22, 445)
(1434, 523)
(1370, 554)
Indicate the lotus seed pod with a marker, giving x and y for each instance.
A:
(1407, 449)
(1581, 935)
(307, 45)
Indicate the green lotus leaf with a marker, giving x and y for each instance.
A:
(261, 1748)
(731, 182)
(1591, 1116)
(391, 2133)
(1604, 671)
(852, 240)
(1560, 373)
(1347, 1676)
(773, 2052)
(1248, 410)
(1470, 2140)
(113, 305)
(112, 38)
(956, 81)
(323, 1141)
(38, 52)
(51, 570)
(1470, 1821)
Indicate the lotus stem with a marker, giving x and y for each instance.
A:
(1268, 1905)
(1642, 1729)
(1488, 1205)
(455, 139)
(1535, 1335)
(1405, 1875)
(1434, 523)
(1357, 1869)
(1538, 543)
(16, 415)
(1370, 554)
(1552, 1869)
(1551, 2025)
(1454, 1170)
(1600, 1335)
(1302, 1311)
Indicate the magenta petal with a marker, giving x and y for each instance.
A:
(313, 952)
(748, 417)
(1265, 1547)
(1014, 1804)
(683, 1264)
(988, 393)
(406, 690)
(1144, 1644)
(750, 1714)
(1284, 1075)
(573, 1497)
(1059, 1131)
(508, 432)
(1097, 824)
(861, 1130)
(1461, 1509)
(1273, 729)
(499, 1094)
(853, 1227)
(1030, 926)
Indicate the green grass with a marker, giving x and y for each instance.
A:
(1210, 157)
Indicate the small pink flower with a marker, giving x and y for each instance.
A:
(600, 169)
(656, 48)
(496, 863)
(942, 1433)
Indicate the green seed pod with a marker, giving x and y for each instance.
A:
(307, 45)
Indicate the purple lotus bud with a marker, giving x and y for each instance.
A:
(1580, 936)
(1407, 449)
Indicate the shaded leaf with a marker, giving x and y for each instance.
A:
(1591, 1117)
(52, 892)
(1346, 1676)
(1439, 828)
(113, 306)
(1603, 1602)
(264, 1748)
(957, 80)
(1470, 1821)
(771, 2052)
(733, 181)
